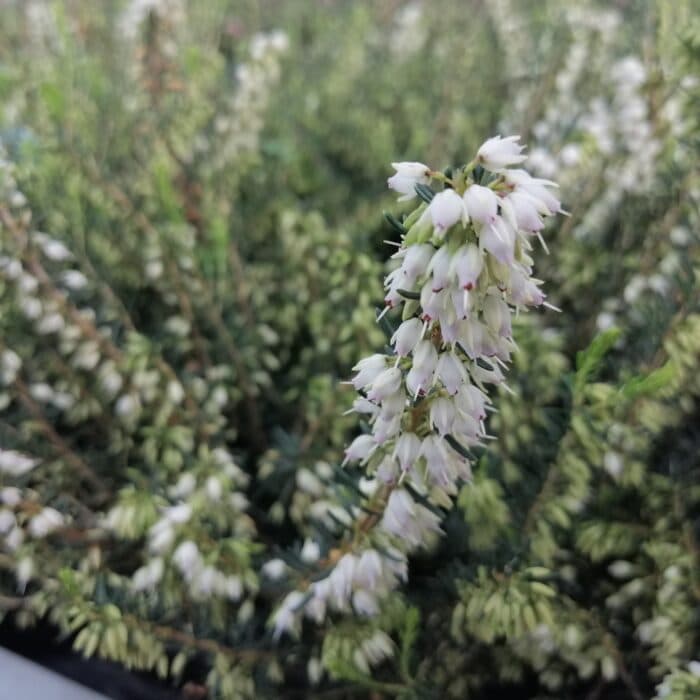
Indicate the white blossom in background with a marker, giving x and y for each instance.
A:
(15, 463)
(136, 12)
(597, 112)
(45, 522)
(410, 31)
(463, 268)
(240, 121)
(148, 576)
(10, 364)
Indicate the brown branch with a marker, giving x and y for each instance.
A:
(209, 646)
(210, 309)
(59, 444)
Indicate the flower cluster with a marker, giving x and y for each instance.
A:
(464, 266)
(598, 110)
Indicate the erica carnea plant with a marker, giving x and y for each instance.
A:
(463, 268)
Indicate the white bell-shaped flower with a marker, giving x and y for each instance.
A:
(439, 268)
(407, 336)
(442, 415)
(385, 384)
(468, 263)
(481, 204)
(360, 448)
(450, 371)
(368, 370)
(444, 211)
(496, 153)
(407, 176)
(407, 450)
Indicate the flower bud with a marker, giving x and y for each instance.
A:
(385, 384)
(407, 450)
(368, 370)
(468, 263)
(481, 204)
(360, 448)
(451, 372)
(445, 210)
(439, 268)
(496, 153)
(407, 176)
(442, 415)
(406, 336)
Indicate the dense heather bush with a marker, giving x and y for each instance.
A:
(191, 257)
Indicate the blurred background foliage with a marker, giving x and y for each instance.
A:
(191, 258)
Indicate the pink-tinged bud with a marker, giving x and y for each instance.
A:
(445, 210)
(399, 510)
(416, 260)
(407, 176)
(458, 310)
(471, 338)
(409, 521)
(285, 618)
(363, 405)
(499, 239)
(439, 268)
(451, 372)
(481, 203)
(417, 383)
(365, 603)
(316, 607)
(472, 401)
(497, 315)
(425, 358)
(468, 263)
(393, 405)
(386, 384)
(407, 336)
(487, 376)
(497, 153)
(442, 415)
(466, 428)
(385, 428)
(368, 370)
(525, 211)
(544, 201)
(431, 302)
(360, 449)
(407, 450)
(449, 331)
(387, 470)
(436, 460)
(393, 283)
(523, 291)
(368, 572)
(340, 579)
(460, 466)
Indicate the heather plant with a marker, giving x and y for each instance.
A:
(194, 481)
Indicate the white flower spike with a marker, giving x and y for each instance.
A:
(462, 269)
